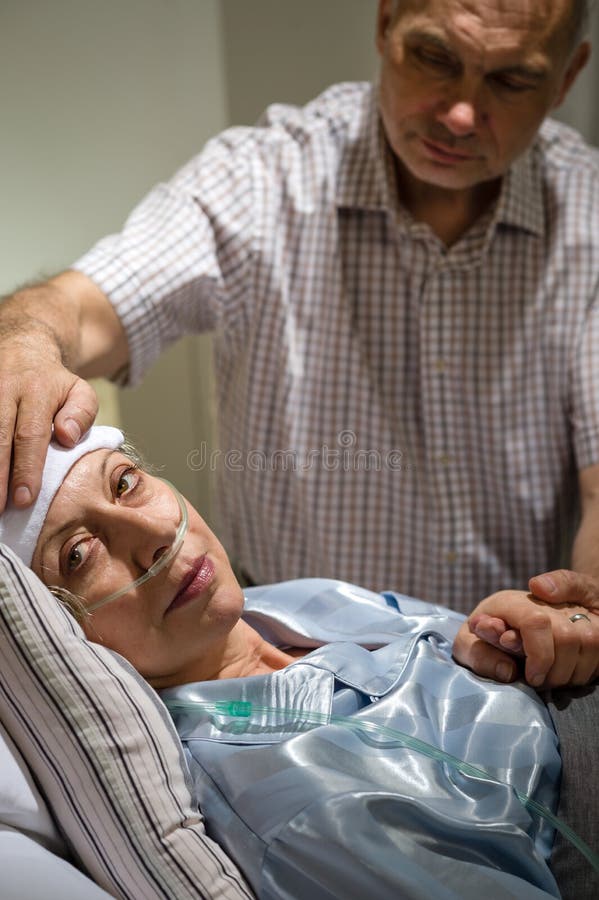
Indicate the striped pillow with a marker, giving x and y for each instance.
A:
(104, 752)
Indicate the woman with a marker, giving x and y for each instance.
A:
(352, 809)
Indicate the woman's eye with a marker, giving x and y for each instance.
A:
(76, 557)
(127, 481)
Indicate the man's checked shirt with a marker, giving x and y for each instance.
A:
(399, 414)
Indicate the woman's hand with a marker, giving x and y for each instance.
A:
(512, 625)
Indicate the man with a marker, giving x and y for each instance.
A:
(403, 302)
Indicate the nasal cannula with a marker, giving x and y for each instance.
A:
(160, 563)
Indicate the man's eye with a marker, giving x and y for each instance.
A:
(507, 83)
(435, 59)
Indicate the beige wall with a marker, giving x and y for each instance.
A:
(290, 50)
(98, 101)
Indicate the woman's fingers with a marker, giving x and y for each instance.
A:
(489, 628)
(558, 651)
(495, 632)
(528, 630)
(483, 658)
(512, 642)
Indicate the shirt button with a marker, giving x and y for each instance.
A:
(445, 459)
(451, 557)
(440, 366)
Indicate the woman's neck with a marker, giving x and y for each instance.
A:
(242, 653)
(247, 653)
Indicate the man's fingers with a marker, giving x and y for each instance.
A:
(538, 646)
(74, 403)
(558, 651)
(77, 414)
(7, 427)
(528, 621)
(578, 655)
(483, 658)
(33, 429)
(566, 586)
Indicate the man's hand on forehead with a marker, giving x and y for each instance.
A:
(47, 333)
(37, 393)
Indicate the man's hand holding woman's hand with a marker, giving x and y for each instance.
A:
(536, 628)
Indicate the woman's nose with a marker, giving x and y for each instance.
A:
(146, 536)
(156, 537)
(159, 552)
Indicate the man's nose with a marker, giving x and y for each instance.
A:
(460, 118)
(461, 110)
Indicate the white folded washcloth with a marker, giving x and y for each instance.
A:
(20, 528)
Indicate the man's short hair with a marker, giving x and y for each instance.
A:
(580, 19)
(580, 15)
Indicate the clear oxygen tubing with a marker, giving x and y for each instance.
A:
(242, 710)
(161, 562)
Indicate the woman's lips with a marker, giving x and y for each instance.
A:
(194, 583)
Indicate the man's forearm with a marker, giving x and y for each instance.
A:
(70, 314)
(585, 550)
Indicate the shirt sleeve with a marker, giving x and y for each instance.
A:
(585, 391)
(179, 266)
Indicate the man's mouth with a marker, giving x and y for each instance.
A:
(443, 153)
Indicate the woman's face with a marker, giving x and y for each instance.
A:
(107, 524)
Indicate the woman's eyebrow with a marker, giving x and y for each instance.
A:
(66, 526)
(104, 465)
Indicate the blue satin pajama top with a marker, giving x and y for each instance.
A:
(320, 811)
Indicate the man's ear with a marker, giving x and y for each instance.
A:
(576, 65)
(383, 21)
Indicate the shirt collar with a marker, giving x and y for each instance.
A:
(367, 179)
(520, 202)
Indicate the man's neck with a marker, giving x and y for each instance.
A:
(449, 213)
